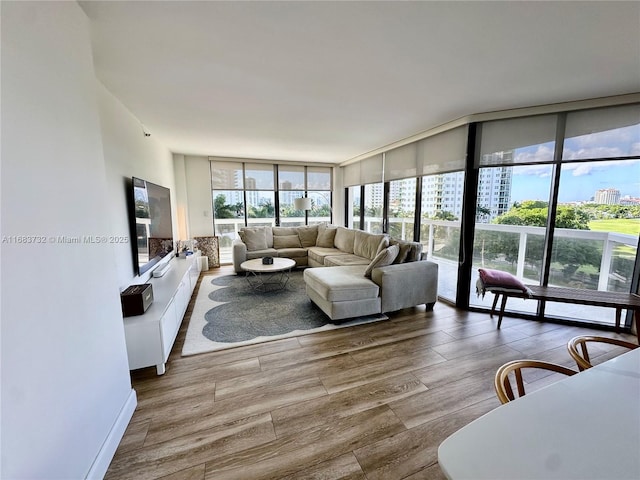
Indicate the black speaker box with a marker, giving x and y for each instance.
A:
(136, 299)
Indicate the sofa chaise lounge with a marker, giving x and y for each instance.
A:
(362, 274)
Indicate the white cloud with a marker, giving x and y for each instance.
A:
(582, 169)
(593, 152)
(587, 168)
(542, 171)
(618, 142)
(542, 154)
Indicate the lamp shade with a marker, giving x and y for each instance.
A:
(302, 203)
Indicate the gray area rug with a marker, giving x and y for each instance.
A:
(229, 313)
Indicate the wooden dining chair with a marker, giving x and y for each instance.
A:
(503, 382)
(578, 350)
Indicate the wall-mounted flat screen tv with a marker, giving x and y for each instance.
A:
(151, 224)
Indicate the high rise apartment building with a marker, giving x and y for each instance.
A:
(607, 196)
(494, 192)
(444, 193)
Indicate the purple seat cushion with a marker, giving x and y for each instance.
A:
(497, 278)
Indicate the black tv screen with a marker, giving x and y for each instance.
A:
(151, 224)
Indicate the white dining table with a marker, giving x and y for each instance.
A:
(586, 426)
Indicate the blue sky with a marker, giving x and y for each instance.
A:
(580, 180)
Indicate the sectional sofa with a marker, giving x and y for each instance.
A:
(362, 273)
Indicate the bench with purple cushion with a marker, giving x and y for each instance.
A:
(505, 284)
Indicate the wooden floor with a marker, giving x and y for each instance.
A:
(367, 402)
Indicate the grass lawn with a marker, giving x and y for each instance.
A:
(630, 226)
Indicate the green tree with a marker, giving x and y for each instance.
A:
(444, 215)
(265, 209)
(223, 210)
(482, 213)
(535, 213)
(572, 217)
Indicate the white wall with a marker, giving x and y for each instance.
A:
(128, 153)
(66, 390)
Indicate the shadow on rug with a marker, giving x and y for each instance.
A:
(229, 313)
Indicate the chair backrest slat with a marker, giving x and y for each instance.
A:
(580, 342)
(502, 384)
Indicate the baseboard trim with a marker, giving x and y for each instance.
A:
(108, 450)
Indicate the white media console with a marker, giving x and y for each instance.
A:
(150, 336)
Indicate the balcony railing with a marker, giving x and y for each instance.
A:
(441, 238)
(227, 230)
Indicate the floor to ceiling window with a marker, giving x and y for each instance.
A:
(402, 208)
(514, 188)
(441, 213)
(259, 190)
(441, 163)
(373, 207)
(598, 220)
(354, 197)
(400, 174)
(227, 182)
(246, 193)
(319, 187)
(291, 185)
(364, 187)
(589, 181)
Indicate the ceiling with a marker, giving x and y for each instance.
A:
(329, 81)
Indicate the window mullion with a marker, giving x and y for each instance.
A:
(553, 202)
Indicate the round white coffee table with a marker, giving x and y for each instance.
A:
(271, 277)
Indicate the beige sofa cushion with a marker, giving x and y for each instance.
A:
(269, 252)
(320, 253)
(286, 241)
(345, 239)
(308, 235)
(253, 238)
(384, 258)
(368, 245)
(326, 236)
(340, 284)
(345, 259)
(292, 252)
(278, 231)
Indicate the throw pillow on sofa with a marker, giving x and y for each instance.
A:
(308, 235)
(286, 241)
(384, 258)
(409, 251)
(253, 238)
(326, 235)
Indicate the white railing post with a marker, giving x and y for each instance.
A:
(605, 264)
(522, 249)
(431, 241)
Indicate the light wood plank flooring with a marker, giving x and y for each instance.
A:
(367, 402)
